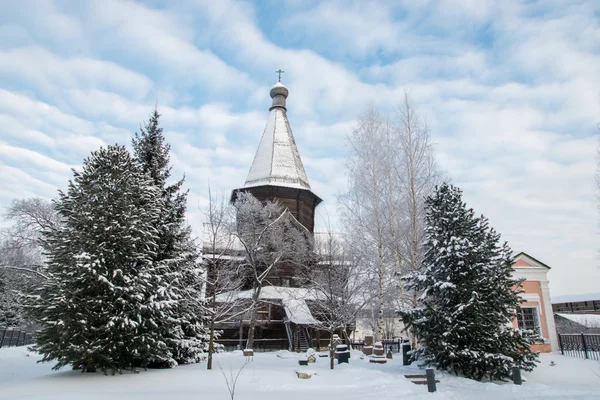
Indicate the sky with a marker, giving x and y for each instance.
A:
(510, 91)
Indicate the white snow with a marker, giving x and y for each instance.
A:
(272, 376)
(587, 320)
(297, 312)
(272, 293)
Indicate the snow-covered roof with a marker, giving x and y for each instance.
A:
(277, 161)
(587, 320)
(273, 293)
(573, 298)
(292, 299)
(297, 311)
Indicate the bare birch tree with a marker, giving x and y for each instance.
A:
(391, 169)
(336, 286)
(364, 207)
(20, 240)
(417, 174)
(221, 261)
(21, 259)
(271, 238)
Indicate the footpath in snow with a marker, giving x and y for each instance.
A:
(272, 376)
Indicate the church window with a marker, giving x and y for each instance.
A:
(527, 318)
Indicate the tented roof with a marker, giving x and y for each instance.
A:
(277, 160)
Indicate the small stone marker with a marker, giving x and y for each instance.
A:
(368, 347)
(311, 357)
(516, 375)
(431, 382)
(342, 353)
(378, 356)
(389, 355)
(305, 375)
(249, 354)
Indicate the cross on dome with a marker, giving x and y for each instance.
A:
(279, 72)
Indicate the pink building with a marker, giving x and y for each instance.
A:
(536, 310)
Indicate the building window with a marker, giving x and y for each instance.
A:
(527, 318)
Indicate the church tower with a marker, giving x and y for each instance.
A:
(277, 172)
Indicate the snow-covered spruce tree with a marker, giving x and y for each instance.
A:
(468, 297)
(185, 327)
(99, 308)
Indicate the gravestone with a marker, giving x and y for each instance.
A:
(368, 347)
(378, 356)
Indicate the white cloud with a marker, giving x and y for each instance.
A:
(59, 73)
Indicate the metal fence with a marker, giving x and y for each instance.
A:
(583, 345)
(393, 344)
(14, 337)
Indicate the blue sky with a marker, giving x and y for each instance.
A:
(510, 91)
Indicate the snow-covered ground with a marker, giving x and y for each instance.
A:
(272, 376)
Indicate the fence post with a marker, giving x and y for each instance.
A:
(2, 340)
(584, 346)
(560, 343)
(12, 332)
(431, 386)
(516, 375)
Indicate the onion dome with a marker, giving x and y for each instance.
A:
(279, 93)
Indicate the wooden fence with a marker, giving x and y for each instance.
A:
(259, 344)
(582, 345)
(14, 337)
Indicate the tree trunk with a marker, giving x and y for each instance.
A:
(252, 326)
(331, 351)
(414, 338)
(250, 341)
(380, 272)
(318, 340)
(211, 343)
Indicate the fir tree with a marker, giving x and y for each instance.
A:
(100, 308)
(468, 300)
(185, 329)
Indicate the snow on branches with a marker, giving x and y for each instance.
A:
(467, 294)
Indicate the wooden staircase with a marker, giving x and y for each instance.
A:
(301, 339)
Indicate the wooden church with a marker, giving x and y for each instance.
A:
(285, 320)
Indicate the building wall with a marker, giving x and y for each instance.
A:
(537, 294)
